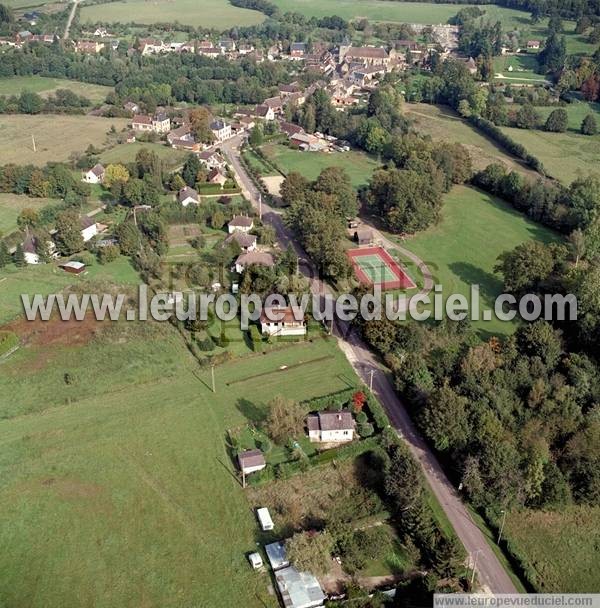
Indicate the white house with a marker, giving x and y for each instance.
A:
(287, 321)
(159, 123)
(30, 250)
(251, 461)
(188, 196)
(88, 228)
(330, 427)
(220, 130)
(240, 223)
(95, 175)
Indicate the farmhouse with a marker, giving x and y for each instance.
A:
(306, 142)
(150, 46)
(330, 427)
(265, 112)
(188, 196)
(534, 45)
(251, 461)
(247, 242)
(285, 90)
(255, 258)
(220, 130)
(88, 227)
(288, 321)
(240, 223)
(95, 175)
(159, 123)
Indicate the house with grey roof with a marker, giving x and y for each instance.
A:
(331, 427)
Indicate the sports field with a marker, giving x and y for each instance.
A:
(375, 266)
(56, 137)
(218, 14)
(44, 86)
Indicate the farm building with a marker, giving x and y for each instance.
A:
(88, 228)
(330, 427)
(253, 257)
(364, 237)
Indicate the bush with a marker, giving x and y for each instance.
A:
(361, 418)
(108, 254)
(366, 429)
(589, 126)
(558, 121)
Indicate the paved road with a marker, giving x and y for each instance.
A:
(492, 575)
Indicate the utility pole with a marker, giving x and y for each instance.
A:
(502, 525)
(33, 142)
(212, 373)
(371, 380)
(474, 565)
(259, 206)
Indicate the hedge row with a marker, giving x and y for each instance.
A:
(507, 142)
(285, 470)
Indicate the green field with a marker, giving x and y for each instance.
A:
(125, 153)
(48, 278)
(564, 155)
(12, 204)
(117, 488)
(218, 14)
(25, 4)
(56, 137)
(383, 10)
(463, 248)
(559, 550)
(523, 69)
(358, 165)
(576, 110)
(44, 86)
(442, 123)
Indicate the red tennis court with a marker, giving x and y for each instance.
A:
(375, 266)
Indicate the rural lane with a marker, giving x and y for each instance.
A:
(492, 575)
(70, 19)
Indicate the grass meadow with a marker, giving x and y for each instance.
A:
(564, 155)
(558, 550)
(12, 204)
(126, 153)
(56, 137)
(442, 123)
(463, 248)
(576, 110)
(44, 86)
(117, 487)
(358, 164)
(218, 14)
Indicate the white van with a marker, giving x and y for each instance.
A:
(264, 517)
